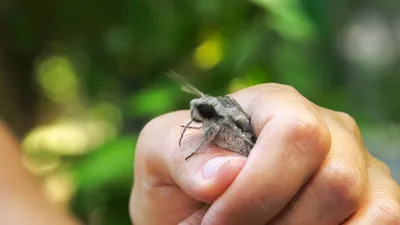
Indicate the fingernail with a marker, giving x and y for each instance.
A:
(212, 166)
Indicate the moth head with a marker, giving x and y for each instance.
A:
(202, 110)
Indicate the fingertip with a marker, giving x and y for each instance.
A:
(208, 176)
(213, 167)
(220, 173)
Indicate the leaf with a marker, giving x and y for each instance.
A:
(153, 100)
(113, 162)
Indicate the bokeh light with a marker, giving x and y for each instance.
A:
(209, 53)
(58, 79)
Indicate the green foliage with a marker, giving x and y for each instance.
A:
(110, 163)
(104, 180)
(153, 100)
(102, 64)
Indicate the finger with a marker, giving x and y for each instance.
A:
(383, 201)
(167, 188)
(292, 144)
(196, 218)
(337, 190)
(22, 198)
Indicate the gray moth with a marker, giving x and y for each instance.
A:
(223, 121)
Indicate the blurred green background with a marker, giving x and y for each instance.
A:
(79, 79)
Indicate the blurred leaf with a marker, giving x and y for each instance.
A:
(104, 179)
(288, 19)
(58, 79)
(153, 100)
(243, 49)
(111, 163)
(256, 75)
(296, 68)
(107, 111)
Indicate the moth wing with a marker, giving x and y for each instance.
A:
(238, 115)
(234, 103)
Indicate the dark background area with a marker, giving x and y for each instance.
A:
(79, 79)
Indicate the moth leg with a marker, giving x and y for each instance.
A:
(184, 129)
(248, 141)
(208, 135)
(195, 126)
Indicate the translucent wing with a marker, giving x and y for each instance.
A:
(186, 86)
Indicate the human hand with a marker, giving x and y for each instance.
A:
(22, 199)
(309, 166)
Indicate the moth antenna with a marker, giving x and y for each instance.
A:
(184, 129)
(186, 86)
(191, 91)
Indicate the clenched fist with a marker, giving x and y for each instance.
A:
(308, 166)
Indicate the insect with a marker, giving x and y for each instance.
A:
(223, 121)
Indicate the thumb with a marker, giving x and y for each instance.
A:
(208, 172)
(167, 188)
(207, 176)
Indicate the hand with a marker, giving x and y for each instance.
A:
(22, 199)
(309, 166)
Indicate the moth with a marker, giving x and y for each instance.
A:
(223, 121)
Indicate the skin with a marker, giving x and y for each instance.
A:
(22, 200)
(309, 166)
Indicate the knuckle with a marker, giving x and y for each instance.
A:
(308, 126)
(276, 87)
(344, 183)
(305, 124)
(288, 89)
(307, 133)
(145, 145)
(381, 165)
(386, 211)
(154, 126)
(347, 118)
(351, 123)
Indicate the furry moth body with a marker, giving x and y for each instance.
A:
(223, 121)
